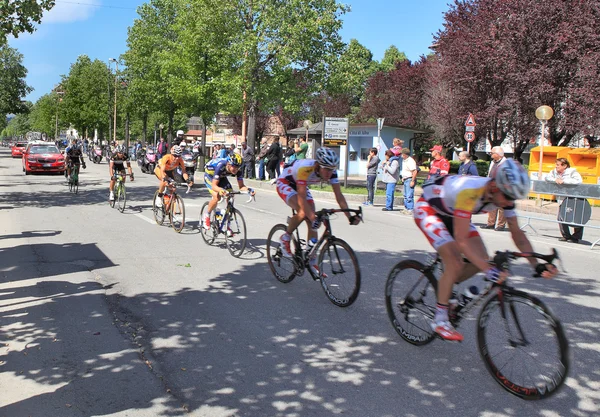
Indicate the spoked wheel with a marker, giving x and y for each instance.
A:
(522, 344)
(410, 299)
(121, 198)
(177, 213)
(340, 274)
(235, 235)
(208, 234)
(159, 212)
(283, 268)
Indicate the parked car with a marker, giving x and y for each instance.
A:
(43, 157)
(17, 149)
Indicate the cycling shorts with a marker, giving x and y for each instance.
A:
(168, 174)
(223, 183)
(286, 191)
(437, 228)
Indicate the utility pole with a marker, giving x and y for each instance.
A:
(115, 107)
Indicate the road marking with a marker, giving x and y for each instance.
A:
(260, 210)
(141, 216)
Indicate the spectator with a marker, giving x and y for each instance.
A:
(301, 148)
(223, 152)
(272, 159)
(496, 219)
(391, 173)
(262, 154)
(216, 151)
(248, 159)
(162, 149)
(397, 146)
(232, 149)
(467, 167)
(564, 174)
(409, 179)
(290, 153)
(439, 166)
(372, 164)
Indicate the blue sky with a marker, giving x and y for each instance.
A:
(98, 28)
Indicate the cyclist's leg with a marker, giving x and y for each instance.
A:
(215, 195)
(161, 184)
(290, 196)
(113, 180)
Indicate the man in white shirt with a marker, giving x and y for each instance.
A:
(498, 213)
(564, 174)
(409, 179)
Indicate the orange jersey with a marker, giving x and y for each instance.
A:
(169, 163)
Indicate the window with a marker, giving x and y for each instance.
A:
(364, 153)
(352, 156)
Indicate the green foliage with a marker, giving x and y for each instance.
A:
(17, 16)
(18, 126)
(390, 58)
(43, 114)
(12, 81)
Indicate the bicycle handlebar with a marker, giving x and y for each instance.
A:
(252, 197)
(325, 212)
(501, 259)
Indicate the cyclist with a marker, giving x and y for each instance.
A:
(73, 156)
(216, 172)
(443, 213)
(292, 187)
(165, 169)
(116, 166)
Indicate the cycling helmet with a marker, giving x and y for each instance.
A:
(176, 150)
(326, 157)
(180, 133)
(512, 179)
(120, 149)
(235, 160)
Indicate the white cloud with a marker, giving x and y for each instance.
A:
(71, 11)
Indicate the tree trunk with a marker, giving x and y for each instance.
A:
(144, 125)
(252, 124)
(203, 146)
(127, 131)
(171, 117)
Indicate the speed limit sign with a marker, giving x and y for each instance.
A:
(470, 136)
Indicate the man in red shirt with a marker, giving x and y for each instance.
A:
(439, 166)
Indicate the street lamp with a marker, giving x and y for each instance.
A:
(115, 109)
(59, 94)
(543, 114)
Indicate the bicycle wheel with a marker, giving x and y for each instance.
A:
(522, 344)
(340, 273)
(284, 269)
(159, 212)
(209, 235)
(76, 186)
(235, 235)
(121, 197)
(177, 213)
(410, 300)
(70, 184)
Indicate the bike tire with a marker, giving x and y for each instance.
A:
(177, 213)
(341, 289)
(70, 185)
(236, 227)
(121, 198)
(209, 235)
(284, 269)
(530, 317)
(410, 300)
(159, 212)
(76, 187)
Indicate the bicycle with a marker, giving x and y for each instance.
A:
(74, 179)
(340, 291)
(231, 223)
(507, 313)
(172, 205)
(119, 193)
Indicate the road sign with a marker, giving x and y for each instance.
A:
(470, 136)
(470, 120)
(336, 128)
(470, 128)
(334, 142)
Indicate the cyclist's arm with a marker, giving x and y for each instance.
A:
(215, 185)
(181, 163)
(339, 197)
(462, 230)
(303, 203)
(241, 184)
(129, 168)
(520, 239)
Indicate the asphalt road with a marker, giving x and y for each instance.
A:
(103, 313)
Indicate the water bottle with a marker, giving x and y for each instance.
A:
(218, 214)
(469, 293)
(310, 244)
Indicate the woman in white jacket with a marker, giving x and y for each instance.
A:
(564, 174)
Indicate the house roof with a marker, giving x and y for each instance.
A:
(197, 133)
(317, 128)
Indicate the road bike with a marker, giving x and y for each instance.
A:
(340, 273)
(119, 192)
(74, 179)
(231, 223)
(172, 206)
(522, 344)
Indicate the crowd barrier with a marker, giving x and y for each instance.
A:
(574, 208)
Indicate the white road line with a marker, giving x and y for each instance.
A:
(260, 210)
(141, 216)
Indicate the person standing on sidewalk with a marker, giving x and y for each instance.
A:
(273, 158)
(467, 166)
(261, 158)
(301, 148)
(372, 164)
(163, 148)
(248, 158)
(391, 173)
(564, 174)
(496, 219)
(409, 179)
(439, 166)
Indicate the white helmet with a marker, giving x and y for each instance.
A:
(176, 150)
(180, 133)
(326, 157)
(512, 179)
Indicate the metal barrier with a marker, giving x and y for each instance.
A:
(572, 209)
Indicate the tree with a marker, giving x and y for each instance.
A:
(43, 114)
(17, 16)
(18, 125)
(391, 57)
(12, 81)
